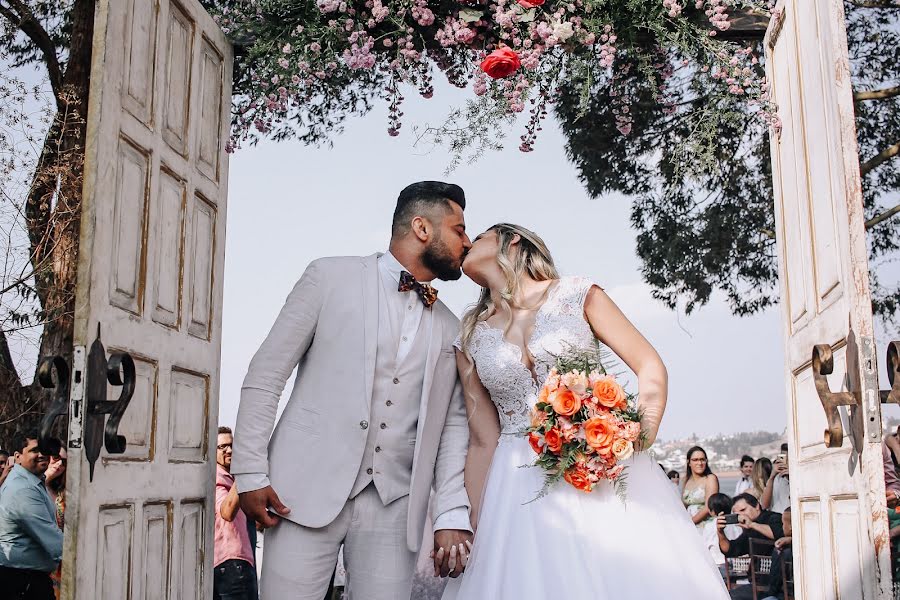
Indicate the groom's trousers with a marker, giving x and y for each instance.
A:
(298, 561)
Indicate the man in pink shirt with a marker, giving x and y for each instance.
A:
(234, 573)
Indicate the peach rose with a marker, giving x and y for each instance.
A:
(501, 63)
(622, 449)
(565, 402)
(536, 443)
(609, 393)
(538, 418)
(554, 440)
(614, 473)
(576, 381)
(544, 395)
(579, 477)
(599, 434)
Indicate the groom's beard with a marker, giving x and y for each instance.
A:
(438, 259)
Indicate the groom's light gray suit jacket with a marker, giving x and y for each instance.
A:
(328, 329)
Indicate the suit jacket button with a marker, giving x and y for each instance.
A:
(363, 424)
(369, 471)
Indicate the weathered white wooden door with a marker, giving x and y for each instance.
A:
(837, 492)
(150, 272)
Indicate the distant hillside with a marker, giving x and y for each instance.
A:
(724, 451)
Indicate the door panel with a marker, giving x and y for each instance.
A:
(151, 267)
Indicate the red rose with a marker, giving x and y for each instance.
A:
(529, 4)
(500, 63)
(554, 440)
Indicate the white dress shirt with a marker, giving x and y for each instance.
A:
(742, 486)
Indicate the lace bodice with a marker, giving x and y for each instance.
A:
(559, 326)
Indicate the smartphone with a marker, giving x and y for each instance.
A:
(731, 519)
(781, 458)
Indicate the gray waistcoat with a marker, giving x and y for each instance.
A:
(394, 414)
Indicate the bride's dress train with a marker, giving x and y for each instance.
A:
(569, 544)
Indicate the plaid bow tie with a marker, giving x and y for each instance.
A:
(427, 294)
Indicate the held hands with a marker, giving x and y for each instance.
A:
(452, 548)
(255, 504)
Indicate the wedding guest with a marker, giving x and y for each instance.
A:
(234, 575)
(6, 465)
(718, 504)
(675, 477)
(55, 481)
(777, 495)
(30, 540)
(699, 484)
(754, 520)
(744, 483)
(890, 454)
(781, 554)
(762, 469)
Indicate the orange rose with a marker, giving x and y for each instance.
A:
(609, 393)
(501, 63)
(535, 441)
(565, 402)
(599, 434)
(554, 441)
(579, 478)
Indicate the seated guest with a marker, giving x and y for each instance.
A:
(719, 505)
(30, 540)
(755, 521)
(675, 477)
(781, 554)
(744, 483)
(762, 469)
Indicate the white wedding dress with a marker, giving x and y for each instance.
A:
(570, 544)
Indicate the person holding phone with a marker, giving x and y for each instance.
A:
(777, 495)
(753, 519)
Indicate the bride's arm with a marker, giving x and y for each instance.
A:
(484, 432)
(615, 330)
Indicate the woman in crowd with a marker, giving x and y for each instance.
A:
(55, 481)
(699, 484)
(762, 470)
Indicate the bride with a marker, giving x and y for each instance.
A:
(567, 544)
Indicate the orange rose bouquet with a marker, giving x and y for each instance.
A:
(583, 426)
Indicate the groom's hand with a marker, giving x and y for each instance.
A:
(255, 505)
(451, 551)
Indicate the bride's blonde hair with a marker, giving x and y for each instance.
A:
(529, 257)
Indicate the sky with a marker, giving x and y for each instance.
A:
(289, 204)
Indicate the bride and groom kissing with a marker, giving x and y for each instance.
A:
(394, 398)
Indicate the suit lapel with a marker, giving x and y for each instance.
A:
(435, 333)
(371, 281)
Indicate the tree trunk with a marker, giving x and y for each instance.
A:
(53, 218)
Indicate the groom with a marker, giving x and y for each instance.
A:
(376, 417)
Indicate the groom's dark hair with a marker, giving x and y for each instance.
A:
(422, 198)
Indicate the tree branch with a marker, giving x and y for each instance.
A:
(9, 375)
(882, 217)
(22, 18)
(880, 158)
(876, 94)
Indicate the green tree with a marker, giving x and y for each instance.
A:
(705, 218)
